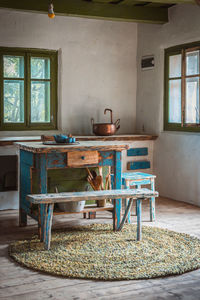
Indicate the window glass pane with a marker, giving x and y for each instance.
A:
(192, 100)
(175, 66)
(40, 68)
(13, 101)
(13, 66)
(40, 102)
(175, 101)
(192, 63)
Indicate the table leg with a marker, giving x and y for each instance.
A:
(22, 218)
(139, 219)
(117, 185)
(152, 202)
(26, 163)
(42, 187)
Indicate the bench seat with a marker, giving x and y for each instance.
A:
(46, 205)
(90, 195)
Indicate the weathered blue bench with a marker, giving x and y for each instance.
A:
(46, 205)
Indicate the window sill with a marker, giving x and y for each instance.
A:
(173, 132)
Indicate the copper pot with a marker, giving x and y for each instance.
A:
(105, 128)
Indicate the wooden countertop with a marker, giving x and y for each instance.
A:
(5, 141)
(39, 147)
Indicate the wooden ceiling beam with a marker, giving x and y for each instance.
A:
(160, 1)
(91, 9)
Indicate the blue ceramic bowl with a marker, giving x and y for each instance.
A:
(70, 140)
(60, 138)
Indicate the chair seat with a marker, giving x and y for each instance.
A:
(135, 178)
(137, 175)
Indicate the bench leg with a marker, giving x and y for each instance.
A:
(127, 211)
(139, 219)
(41, 214)
(45, 223)
(152, 203)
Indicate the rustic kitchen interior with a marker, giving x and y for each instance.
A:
(99, 149)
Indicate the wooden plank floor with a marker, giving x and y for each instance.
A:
(17, 282)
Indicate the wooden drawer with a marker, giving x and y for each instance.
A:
(82, 158)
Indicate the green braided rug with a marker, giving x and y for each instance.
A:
(96, 252)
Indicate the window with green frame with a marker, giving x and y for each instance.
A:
(28, 87)
(182, 93)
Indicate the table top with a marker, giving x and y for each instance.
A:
(39, 147)
(10, 140)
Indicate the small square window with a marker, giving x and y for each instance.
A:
(29, 85)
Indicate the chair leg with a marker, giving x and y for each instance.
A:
(92, 215)
(152, 203)
(152, 209)
(139, 219)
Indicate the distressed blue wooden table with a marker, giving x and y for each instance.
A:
(36, 159)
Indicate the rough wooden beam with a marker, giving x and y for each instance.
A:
(91, 9)
(160, 1)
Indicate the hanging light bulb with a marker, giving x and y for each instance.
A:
(51, 13)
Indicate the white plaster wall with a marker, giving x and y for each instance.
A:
(97, 65)
(176, 155)
(97, 69)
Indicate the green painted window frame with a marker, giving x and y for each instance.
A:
(180, 49)
(28, 53)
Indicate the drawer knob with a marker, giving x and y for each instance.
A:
(82, 157)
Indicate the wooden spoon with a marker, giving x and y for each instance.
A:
(97, 181)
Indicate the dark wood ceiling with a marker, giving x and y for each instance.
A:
(154, 11)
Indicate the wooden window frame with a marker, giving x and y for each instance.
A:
(28, 53)
(181, 49)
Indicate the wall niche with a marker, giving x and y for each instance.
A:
(8, 173)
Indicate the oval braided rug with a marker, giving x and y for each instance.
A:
(96, 252)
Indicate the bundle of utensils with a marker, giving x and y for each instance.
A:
(96, 182)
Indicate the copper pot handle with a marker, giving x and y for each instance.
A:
(92, 121)
(117, 124)
(111, 117)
